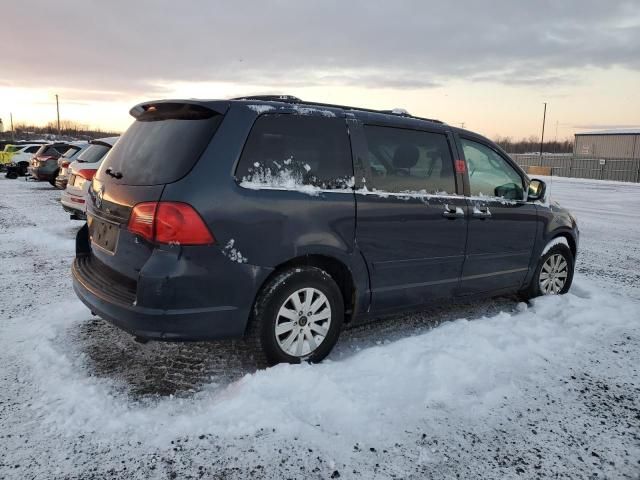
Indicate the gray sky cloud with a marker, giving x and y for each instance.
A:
(132, 47)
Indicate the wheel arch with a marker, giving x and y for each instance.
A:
(570, 240)
(336, 268)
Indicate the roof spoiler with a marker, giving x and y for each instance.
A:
(176, 110)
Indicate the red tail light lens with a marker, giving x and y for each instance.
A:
(141, 220)
(86, 173)
(169, 222)
(64, 164)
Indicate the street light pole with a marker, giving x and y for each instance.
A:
(13, 132)
(58, 111)
(544, 118)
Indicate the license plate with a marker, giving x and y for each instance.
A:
(103, 234)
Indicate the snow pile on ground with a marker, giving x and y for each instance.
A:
(463, 368)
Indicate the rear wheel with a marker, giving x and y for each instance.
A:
(554, 273)
(297, 317)
(53, 179)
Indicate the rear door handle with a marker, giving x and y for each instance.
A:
(452, 212)
(481, 212)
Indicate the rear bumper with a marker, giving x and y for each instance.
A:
(73, 202)
(156, 324)
(40, 173)
(119, 302)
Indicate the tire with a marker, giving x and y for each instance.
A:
(558, 279)
(277, 299)
(52, 181)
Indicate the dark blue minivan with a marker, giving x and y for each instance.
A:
(282, 221)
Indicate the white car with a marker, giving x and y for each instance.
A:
(19, 155)
(81, 173)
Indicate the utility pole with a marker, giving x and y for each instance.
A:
(461, 124)
(58, 110)
(544, 119)
(13, 132)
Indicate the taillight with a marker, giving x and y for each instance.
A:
(169, 222)
(141, 220)
(86, 173)
(64, 164)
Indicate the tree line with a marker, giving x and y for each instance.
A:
(69, 130)
(532, 145)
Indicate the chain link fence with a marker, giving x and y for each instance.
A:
(580, 166)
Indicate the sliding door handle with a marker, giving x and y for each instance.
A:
(453, 212)
(481, 212)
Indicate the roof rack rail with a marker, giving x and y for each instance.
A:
(292, 99)
(271, 98)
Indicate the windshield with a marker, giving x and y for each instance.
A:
(93, 154)
(52, 150)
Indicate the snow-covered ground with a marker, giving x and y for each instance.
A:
(492, 390)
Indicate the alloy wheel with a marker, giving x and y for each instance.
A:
(303, 322)
(554, 274)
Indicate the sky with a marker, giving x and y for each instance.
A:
(487, 65)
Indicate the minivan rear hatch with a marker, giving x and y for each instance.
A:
(161, 146)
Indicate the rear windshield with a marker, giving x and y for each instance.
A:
(162, 145)
(52, 150)
(71, 152)
(93, 153)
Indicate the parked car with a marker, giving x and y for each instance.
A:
(282, 220)
(65, 160)
(44, 164)
(81, 172)
(15, 158)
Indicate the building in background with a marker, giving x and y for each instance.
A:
(618, 143)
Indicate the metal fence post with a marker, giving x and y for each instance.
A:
(570, 164)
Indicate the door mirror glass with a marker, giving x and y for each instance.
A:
(537, 190)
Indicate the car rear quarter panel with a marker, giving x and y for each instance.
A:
(266, 227)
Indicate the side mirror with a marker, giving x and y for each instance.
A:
(537, 190)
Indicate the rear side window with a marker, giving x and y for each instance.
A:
(32, 149)
(404, 161)
(288, 150)
(162, 145)
(93, 153)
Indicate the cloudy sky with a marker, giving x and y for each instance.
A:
(489, 64)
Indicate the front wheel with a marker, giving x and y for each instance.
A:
(554, 273)
(297, 317)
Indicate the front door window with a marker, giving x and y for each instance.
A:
(490, 174)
